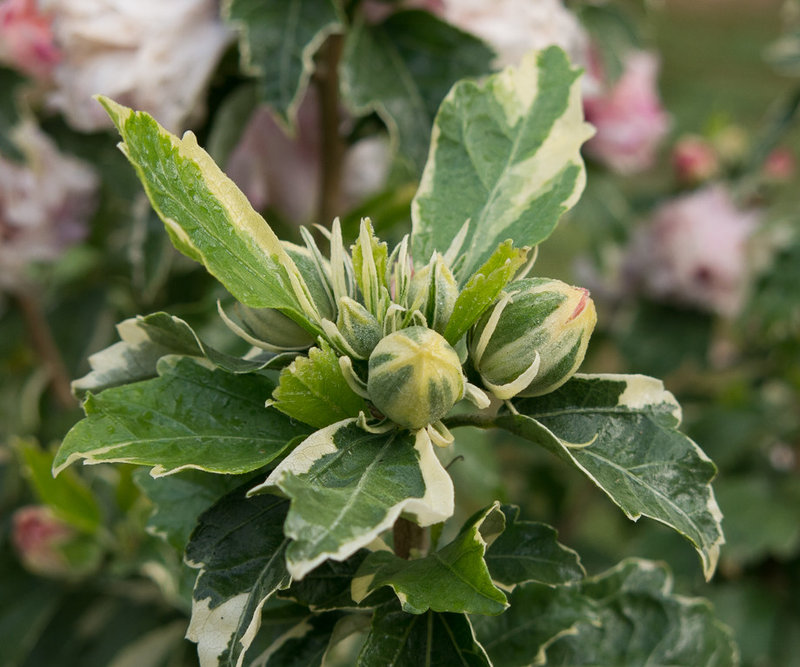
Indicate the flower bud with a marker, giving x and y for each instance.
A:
(414, 377)
(358, 327)
(267, 329)
(433, 292)
(38, 536)
(533, 340)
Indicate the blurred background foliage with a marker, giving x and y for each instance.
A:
(110, 592)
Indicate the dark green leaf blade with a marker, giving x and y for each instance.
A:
(621, 431)
(239, 548)
(528, 551)
(278, 42)
(188, 417)
(432, 639)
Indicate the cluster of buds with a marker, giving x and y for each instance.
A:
(388, 326)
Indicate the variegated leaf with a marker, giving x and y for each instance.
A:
(239, 549)
(348, 485)
(278, 41)
(504, 157)
(209, 219)
(453, 579)
(188, 417)
(145, 339)
(621, 431)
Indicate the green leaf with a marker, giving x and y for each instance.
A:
(209, 219)
(302, 645)
(348, 485)
(641, 623)
(239, 548)
(278, 40)
(538, 615)
(625, 616)
(432, 639)
(145, 339)
(621, 431)
(180, 499)
(481, 290)
(188, 417)
(328, 586)
(505, 157)
(528, 551)
(453, 579)
(403, 68)
(314, 390)
(68, 495)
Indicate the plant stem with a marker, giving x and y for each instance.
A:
(409, 537)
(332, 148)
(45, 345)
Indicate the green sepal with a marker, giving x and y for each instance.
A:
(188, 417)
(370, 256)
(453, 579)
(504, 158)
(239, 548)
(347, 486)
(483, 288)
(313, 389)
(621, 431)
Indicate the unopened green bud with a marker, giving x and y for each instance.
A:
(414, 377)
(268, 329)
(358, 327)
(534, 339)
(433, 292)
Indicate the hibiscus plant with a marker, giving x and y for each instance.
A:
(307, 483)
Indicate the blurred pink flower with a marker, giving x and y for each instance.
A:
(514, 27)
(26, 38)
(37, 535)
(44, 204)
(694, 160)
(780, 165)
(629, 118)
(153, 55)
(281, 171)
(694, 251)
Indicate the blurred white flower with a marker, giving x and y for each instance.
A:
(153, 55)
(694, 251)
(628, 115)
(45, 203)
(514, 27)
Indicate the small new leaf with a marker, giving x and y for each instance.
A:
(314, 390)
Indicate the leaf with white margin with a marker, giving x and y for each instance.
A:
(452, 579)
(348, 485)
(621, 431)
(505, 156)
(433, 639)
(209, 219)
(239, 548)
(278, 41)
(188, 417)
(147, 338)
(635, 620)
(529, 551)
